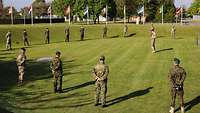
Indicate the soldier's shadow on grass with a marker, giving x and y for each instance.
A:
(129, 96)
(189, 105)
(78, 86)
(130, 35)
(167, 49)
(116, 36)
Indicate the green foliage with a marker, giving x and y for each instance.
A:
(194, 8)
(39, 7)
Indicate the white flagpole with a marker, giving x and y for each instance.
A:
(181, 15)
(24, 17)
(50, 14)
(32, 14)
(143, 12)
(11, 12)
(162, 14)
(87, 14)
(106, 14)
(124, 14)
(69, 14)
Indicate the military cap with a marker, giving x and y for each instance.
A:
(58, 52)
(102, 57)
(177, 61)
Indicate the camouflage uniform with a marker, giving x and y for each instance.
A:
(25, 38)
(56, 67)
(177, 76)
(100, 72)
(105, 29)
(8, 41)
(47, 40)
(66, 34)
(21, 58)
(153, 41)
(125, 30)
(82, 30)
(173, 32)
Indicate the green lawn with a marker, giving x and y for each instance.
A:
(137, 81)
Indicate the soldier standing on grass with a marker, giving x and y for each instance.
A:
(105, 29)
(47, 34)
(67, 34)
(173, 31)
(82, 33)
(21, 58)
(125, 30)
(153, 40)
(100, 73)
(176, 76)
(25, 38)
(8, 41)
(56, 67)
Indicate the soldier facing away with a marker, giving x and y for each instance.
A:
(56, 67)
(176, 76)
(8, 41)
(173, 31)
(125, 30)
(21, 58)
(25, 38)
(47, 36)
(100, 73)
(82, 32)
(67, 34)
(153, 40)
(105, 29)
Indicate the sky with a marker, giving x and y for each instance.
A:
(18, 4)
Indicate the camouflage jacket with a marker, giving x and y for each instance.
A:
(21, 58)
(100, 72)
(176, 76)
(56, 66)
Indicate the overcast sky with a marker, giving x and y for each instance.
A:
(21, 3)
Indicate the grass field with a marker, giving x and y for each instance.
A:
(137, 81)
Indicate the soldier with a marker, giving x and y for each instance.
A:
(25, 38)
(152, 27)
(67, 34)
(47, 36)
(173, 31)
(8, 41)
(153, 40)
(125, 30)
(21, 58)
(105, 29)
(57, 71)
(100, 73)
(82, 30)
(176, 76)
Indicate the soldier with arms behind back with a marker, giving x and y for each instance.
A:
(56, 67)
(25, 38)
(105, 29)
(8, 41)
(67, 34)
(100, 73)
(176, 76)
(21, 58)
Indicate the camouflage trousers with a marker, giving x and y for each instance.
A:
(57, 83)
(173, 35)
(21, 73)
(8, 45)
(104, 35)
(26, 42)
(101, 90)
(67, 38)
(153, 44)
(47, 40)
(175, 93)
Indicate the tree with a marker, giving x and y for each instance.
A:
(194, 8)
(39, 7)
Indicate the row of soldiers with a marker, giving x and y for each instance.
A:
(82, 34)
(100, 72)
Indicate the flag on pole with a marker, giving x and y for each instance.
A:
(30, 10)
(104, 11)
(178, 11)
(86, 10)
(141, 10)
(10, 10)
(67, 10)
(49, 10)
(161, 9)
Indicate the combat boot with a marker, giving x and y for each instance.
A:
(182, 109)
(171, 110)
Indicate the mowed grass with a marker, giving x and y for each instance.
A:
(137, 82)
